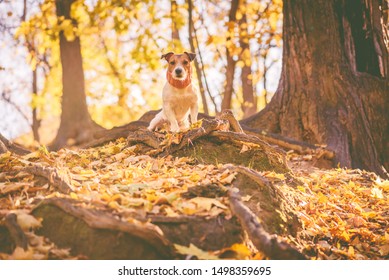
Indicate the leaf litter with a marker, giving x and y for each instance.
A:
(343, 213)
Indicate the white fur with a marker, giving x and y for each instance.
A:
(176, 107)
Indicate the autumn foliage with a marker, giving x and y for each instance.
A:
(300, 176)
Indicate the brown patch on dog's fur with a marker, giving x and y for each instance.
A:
(179, 60)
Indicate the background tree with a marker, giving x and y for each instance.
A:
(334, 81)
(196, 62)
(249, 104)
(76, 123)
(230, 67)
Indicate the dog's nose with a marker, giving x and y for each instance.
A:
(178, 71)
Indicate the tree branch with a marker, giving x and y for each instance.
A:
(271, 245)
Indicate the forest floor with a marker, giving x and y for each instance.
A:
(343, 213)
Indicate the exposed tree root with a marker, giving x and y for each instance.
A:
(207, 127)
(260, 180)
(6, 145)
(52, 175)
(144, 136)
(229, 116)
(70, 223)
(290, 144)
(212, 143)
(104, 136)
(271, 245)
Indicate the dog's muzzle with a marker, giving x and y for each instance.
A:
(179, 73)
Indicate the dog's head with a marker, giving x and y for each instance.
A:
(179, 69)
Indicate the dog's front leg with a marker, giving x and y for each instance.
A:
(156, 121)
(171, 117)
(194, 110)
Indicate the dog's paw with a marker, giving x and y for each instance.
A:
(175, 129)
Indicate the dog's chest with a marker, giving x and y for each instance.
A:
(179, 100)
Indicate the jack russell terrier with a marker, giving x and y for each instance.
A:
(179, 96)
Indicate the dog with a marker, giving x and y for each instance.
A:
(179, 96)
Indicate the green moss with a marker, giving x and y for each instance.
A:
(68, 231)
(209, 150)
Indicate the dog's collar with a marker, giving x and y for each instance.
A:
(179, 83)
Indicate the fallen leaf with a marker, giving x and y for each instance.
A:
(192, 250)
(245, 148)
(27, 222)
(376, 193)
(384, 250)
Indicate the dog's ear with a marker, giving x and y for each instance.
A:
(167, 55)
(192, 56)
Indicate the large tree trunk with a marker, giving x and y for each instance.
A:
(76, 123)
(334, 82)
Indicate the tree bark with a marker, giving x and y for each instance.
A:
(173, 12)
(249, 106)
(76, 123)
(230, 69)
(334, 81)
(36, 123)
(196, 63)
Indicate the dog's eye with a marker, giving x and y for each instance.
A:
(172, 63)
(185, 62)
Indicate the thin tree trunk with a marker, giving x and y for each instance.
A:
(35, 121)
(76, 123)
(196, 63)
(119, 75)
(230, 69)
(249, 106)
(173, 13)
(30, 46)
(334, 82)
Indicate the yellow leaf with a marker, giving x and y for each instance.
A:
(322, 198)
(367, 215)
(207, 203)
(240, 64)
(241, 250)
(105, 197)
(345, 236)
(73, 195)
(195, 177)
(383, 184)
(351, 251)
(376, 193)
(192, 250)
(188, 208)
(273, 19)
(114, 205)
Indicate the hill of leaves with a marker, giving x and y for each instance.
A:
(341, 213)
